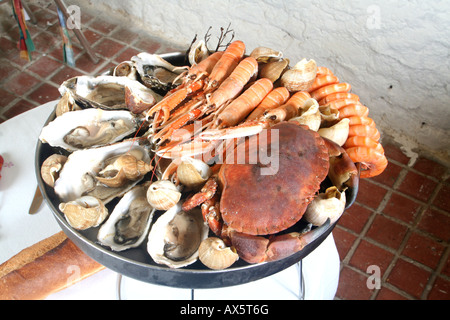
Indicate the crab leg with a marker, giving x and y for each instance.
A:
(256, 249)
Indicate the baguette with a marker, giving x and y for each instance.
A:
(46, 267)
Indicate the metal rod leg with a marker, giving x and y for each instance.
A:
(78, 33)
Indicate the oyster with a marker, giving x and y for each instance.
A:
(77, 178)
(88, 128)
(106, 92)
(129, 222)
(157, 73)
(175, 237)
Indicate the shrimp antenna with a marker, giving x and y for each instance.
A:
(223, 36)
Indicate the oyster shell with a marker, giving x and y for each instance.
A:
(77, 178)
(106, 92)
(88, 128)
(157, 73)
(129, 222)
(175, 237)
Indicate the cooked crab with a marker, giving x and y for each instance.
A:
(254, 205)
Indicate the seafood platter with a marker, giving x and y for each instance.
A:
(205, 168)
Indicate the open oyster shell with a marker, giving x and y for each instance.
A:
(175, 237)
(107, 92)
(77, 178)
(129, 222)
(157, 73)
(88, 128)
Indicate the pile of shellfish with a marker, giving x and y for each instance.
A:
(107, 174)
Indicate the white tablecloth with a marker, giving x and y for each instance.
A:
(18, 230)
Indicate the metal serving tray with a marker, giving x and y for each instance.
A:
(137, 263)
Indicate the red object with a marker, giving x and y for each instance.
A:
(1, 165)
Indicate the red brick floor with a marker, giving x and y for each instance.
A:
(397, 231)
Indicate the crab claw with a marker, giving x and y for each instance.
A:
(256, 249)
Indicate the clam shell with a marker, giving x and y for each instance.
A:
(163, 195)
(214, 254)
(330, 204)
(300, 77)
(84, 212)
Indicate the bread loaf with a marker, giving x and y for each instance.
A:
(44, 268)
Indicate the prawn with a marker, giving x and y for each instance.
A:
(204, 67)
(337, 96)
(239, 108)
(225, 65)
(329, 89)
(275, 98)
(372, 162)
(364, 131)
(323, 80)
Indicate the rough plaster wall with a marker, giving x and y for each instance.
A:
(395, 54)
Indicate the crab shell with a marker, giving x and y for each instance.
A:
(257, 204)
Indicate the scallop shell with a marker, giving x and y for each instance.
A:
(214, 254)
(163, 195)
(51, 167)
(300, 77)
(330, 204)
(84, 212)
(193, 172)
(175, 237)
(337, 133)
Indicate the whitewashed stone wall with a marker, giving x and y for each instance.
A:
(394, 53)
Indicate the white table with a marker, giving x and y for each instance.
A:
(18, 230)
